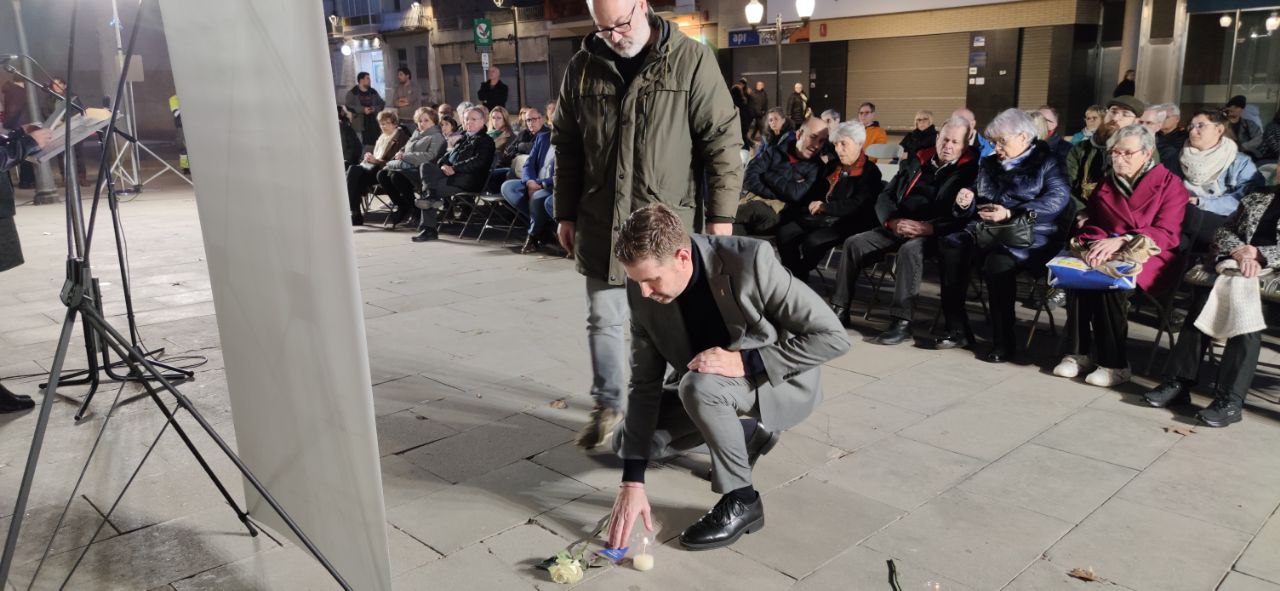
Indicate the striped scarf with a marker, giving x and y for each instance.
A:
(1127, 186)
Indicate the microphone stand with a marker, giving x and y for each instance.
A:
(92, 349)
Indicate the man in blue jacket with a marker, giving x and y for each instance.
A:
(531, 191)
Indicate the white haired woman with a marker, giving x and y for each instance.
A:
(1021, 183)
(847, 208)
(1138, 199)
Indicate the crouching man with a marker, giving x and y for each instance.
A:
(744, 342)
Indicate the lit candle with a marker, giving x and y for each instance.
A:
(642, 562)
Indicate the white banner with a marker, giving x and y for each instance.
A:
(256, 88)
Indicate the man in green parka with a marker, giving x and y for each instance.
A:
(644, 117)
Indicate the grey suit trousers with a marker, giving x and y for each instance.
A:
(704, 409)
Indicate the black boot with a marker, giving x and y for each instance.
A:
(425, 235)
(1223, 411)
(842, 313)
(531, 245)
(1175, 392)
(724, 524)
(357, 219)
(10, 402)
(899, 332)
(955, 339)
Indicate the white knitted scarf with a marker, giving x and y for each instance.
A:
(1201, 168)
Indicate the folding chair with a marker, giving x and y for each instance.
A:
(498, 214)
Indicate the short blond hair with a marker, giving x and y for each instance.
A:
(653, 231)
(388, 116)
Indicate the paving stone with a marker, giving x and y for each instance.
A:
(899, 472)
(988, 430)
(853, 421)
(464, 514)
(478, 451)
(1120, 439)
(407, 392)
(1043, 575)
(79, 527)
(406, 430)
(1240, 582)
(461, 411)
(402, 481)
(1049, 481)
(809, 522)
(281, 568)
(794, 457)
(977, 541)
(837, 382)
(1260, 558)
(472, 568)
(922, 389)
(864, 568)
(407, 553)
(885, 361)
(520, 549)
(1148, 548)
(1191, 486)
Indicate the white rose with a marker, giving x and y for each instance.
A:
(566, 572)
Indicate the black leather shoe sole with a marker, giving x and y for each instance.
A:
(1219, 423)
(750, 528)
(945, 343)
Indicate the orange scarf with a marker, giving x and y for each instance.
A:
(841, 171)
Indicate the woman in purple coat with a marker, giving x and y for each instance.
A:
(1139, 197)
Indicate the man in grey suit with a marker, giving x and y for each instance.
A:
(741, 338)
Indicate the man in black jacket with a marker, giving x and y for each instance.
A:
(915, 208)
(759, 100)
(781, 180)
(462, 169)
(493, 92)
(14, 148)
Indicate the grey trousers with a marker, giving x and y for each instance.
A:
(909, 269)
(703, 411)
(607, 313)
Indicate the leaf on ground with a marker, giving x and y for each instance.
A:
(1180, 430)
(559, 403)
(1084, 574)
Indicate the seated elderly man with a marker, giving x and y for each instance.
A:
(530, 192)
(915, 209)
(1246, 247)
(463, 168)
(782, 180)
(1167, 152)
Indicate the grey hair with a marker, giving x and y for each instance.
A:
(1012, 122)
(1170, 110)
(832, 113)
(852, 131)
(483, 112)
(956, 121)
(1159, 112)
(1137, 130)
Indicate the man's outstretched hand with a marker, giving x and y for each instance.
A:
(631, 503)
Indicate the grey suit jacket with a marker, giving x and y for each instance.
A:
(764, 308)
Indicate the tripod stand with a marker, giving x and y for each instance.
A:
(91, 376)
(80, 294)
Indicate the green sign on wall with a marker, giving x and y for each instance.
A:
(482, 30)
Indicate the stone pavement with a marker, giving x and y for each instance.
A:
(968, 475)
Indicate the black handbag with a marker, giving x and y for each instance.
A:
(1016, 232)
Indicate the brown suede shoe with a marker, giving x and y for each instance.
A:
(599, 428)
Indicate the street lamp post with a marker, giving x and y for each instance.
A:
(755, 15)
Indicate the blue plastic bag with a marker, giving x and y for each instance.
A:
(1068, 272)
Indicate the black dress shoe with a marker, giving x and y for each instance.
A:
(899, 332)
(762, 442)
(952, 340)
(724, 524)
(531, 245)
(425, 235)
(998, 356)
(10, 402)
(1170, 392)
(1222, 412)
(357, 220)
(842, 313)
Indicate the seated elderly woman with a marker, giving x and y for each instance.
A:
(400, 178)
(1021, 187)
(1139, 205)
(365, 174)
(1216, 175)
(463, 168)
(848, 206)
(1246, 247)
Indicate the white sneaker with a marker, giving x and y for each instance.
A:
(1072, 365)
(1106, 378)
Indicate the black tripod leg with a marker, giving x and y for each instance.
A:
(91, 353)
(37, 442)
(116, 342)
(119, 348)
